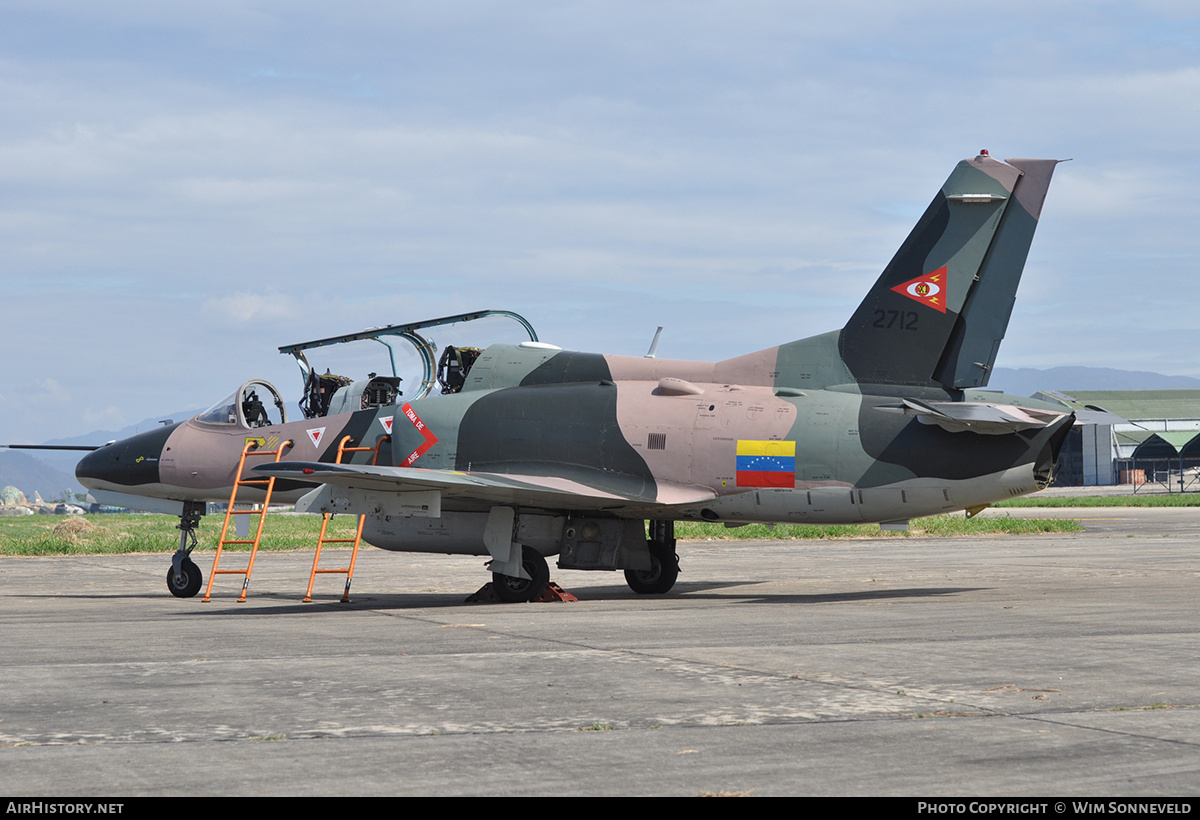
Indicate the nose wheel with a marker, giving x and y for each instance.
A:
(187, 581)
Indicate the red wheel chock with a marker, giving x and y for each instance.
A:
(550, 593)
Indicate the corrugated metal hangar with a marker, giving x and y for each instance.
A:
(1147, 438)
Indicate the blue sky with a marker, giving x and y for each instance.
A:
(182, 190)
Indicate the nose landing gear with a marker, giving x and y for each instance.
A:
(184, 578)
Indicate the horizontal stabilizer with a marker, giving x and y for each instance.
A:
(1098, 415)
(975, 417)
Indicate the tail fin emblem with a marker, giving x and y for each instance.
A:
(928, 289)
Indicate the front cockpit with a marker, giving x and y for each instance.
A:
(255, 404)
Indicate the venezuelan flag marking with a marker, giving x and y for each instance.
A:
(766, 463)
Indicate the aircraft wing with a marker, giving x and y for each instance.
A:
(602, 491)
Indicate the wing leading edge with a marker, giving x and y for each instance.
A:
(487, 489)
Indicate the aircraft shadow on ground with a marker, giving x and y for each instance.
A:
(269, 603)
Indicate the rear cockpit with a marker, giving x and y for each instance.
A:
(364, 394)
(454, 366)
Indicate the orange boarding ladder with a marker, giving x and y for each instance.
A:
(356, 540)
(249, 450)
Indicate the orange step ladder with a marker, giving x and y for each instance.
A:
(251, 449)
(356, 540)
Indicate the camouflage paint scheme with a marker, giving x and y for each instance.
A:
(557, 452)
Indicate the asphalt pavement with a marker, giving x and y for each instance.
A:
(1053, 665)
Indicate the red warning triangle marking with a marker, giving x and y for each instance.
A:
(929, 289)
(386, 421)
(315, 434)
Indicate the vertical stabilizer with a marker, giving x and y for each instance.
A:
(936, 315)
(968, 358)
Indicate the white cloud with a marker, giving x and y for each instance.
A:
(242, 307)
(187, 186)
(49, 391)
(110, 416)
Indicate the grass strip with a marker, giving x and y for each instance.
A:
(116, 534)
(1151, 500)
(132, 533)
(935, 526)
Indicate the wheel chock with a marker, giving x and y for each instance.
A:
(550, 593)
(484, 595)
(553, 592)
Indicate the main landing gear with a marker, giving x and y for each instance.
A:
(664, 563)
(518, 590)
(184, 578)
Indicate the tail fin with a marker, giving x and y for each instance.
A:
(938, 312)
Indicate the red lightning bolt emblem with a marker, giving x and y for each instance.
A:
(928, 289)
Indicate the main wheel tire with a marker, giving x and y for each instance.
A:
(189, 581)
(518, 590)
(663, 572)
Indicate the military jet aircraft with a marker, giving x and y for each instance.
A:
(533, 451)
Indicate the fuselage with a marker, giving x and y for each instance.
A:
(657, 433)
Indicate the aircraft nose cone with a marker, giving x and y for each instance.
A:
(129, 462)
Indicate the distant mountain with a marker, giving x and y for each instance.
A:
(65, 461)
(101, 436)
(28, 475)
(1025, 381)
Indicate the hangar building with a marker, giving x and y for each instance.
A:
(1147, 438)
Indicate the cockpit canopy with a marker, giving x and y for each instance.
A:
(258, 404)
(255, 404)
(331, 394)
